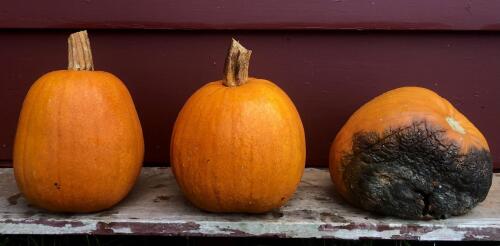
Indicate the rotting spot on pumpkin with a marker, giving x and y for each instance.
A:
(455, 125)
(57, 185)
(410, 172)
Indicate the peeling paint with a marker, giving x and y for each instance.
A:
(145, 228)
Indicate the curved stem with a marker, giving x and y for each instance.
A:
(236, 66)
(79, 52)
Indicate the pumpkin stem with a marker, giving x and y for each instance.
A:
(236, 67)
(79, 53)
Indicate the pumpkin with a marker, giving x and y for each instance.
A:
(79, 143)
(409, 153)
(238, 144)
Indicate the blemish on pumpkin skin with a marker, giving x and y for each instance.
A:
(13, 199)
(57, 185)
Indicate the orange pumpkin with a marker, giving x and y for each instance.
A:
(238, 144)
(79, 144)
(411, 154)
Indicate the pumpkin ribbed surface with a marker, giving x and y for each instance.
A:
(238, 149)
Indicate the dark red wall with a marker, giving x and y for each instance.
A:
(253, 14)
(327, 73)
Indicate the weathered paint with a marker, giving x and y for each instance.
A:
(156, 207)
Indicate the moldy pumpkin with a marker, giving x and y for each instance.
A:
(410, 153)
(79, 143)
(238, 144)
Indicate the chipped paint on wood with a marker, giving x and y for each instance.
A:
(156, 207)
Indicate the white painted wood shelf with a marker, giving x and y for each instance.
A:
(156, 207)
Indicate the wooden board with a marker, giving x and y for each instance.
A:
(156, 207)
(257, 14)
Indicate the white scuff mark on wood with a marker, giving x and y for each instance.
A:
(26, 228)
(122, 230)
(443, 234)
(363, 233)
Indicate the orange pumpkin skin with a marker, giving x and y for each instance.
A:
(79, 144)
(411, 154)
(238, 149)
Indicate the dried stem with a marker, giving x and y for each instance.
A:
(79, 52)
(236, 67)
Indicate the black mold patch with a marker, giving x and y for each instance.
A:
(415, 172)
